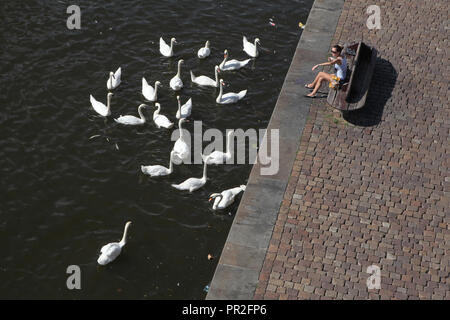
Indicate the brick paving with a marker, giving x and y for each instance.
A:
(372, 188)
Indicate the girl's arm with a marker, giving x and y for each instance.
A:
(329, 63)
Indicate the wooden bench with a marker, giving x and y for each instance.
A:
(352, 94)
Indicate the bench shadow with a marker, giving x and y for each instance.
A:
(380, 90)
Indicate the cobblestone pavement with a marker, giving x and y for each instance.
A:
(372, 188)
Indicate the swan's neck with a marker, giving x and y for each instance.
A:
(225, 58)
(124, 238)
(216, 203)
(171, 46)
(204, 171)
(157, 111)
(156, 89)
(108, 102)
(217, 77)
(229, 143)
(179, 69)
(179, 106)
(170, 164)
(140, 113)
(179, 125)
(220, 91)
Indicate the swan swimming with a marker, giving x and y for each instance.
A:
(114, 79)
(184, 110)
(148, 92)
(111, 251)
(204, 52)
(181, 149)
(158, 170)
(218, 157)
(100, 108)
(234, 64)
(176, 83)
(132, 120)
(192, 184)
(207, 81)
(250, 48)
(229, 97)
(164, 47)
(225, 198)
(161, 120)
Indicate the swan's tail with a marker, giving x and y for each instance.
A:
(192, 76)
(144, 169)
(242, 94)
(177, 186)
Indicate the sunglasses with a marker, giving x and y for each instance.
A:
(333, 51)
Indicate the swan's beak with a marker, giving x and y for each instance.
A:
(210, 199)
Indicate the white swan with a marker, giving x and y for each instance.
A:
(114, 79)
(184, 110)
(132, 120)
(204, 52)
(148, 92)
(225, 198)
(234, 64)
(161, 120)
(192, 184)
(176, 83)
(181, 149)
(229, 97)
(111, 250)
(207, 81)
(164, 47)
(100, 108)
(250, 48)
(157, 170)
(218, 157)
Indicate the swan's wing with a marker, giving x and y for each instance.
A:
(118, 74)
(129, 120)
(156, 170)
(147, 90)
(163, 121)
(163, 47)
(186, 184)
(186, 108)
(98, 106)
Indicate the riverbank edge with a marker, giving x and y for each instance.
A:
(237, 272)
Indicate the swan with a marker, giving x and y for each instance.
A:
(148, 92)
(132, 120)
(184, 110)
(181, 149)
(111, 250)
(165, 49)
(207, 81)
(161, 120)
(114, 79)
(192, 184)
(231, 64)
(157, 170)
(229, 97)
(176, 83)
(218, 157)
(250, 48)
(100, 108)
(225, 198)
(204, 52)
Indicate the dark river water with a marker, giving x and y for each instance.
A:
(64, 195)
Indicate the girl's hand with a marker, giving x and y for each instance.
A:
(313, 68)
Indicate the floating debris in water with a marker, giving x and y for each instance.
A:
(117, 147)
(94, 136)
(206, 288)
(210, 257)
(301, 25)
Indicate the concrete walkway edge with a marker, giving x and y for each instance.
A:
(237, 273)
